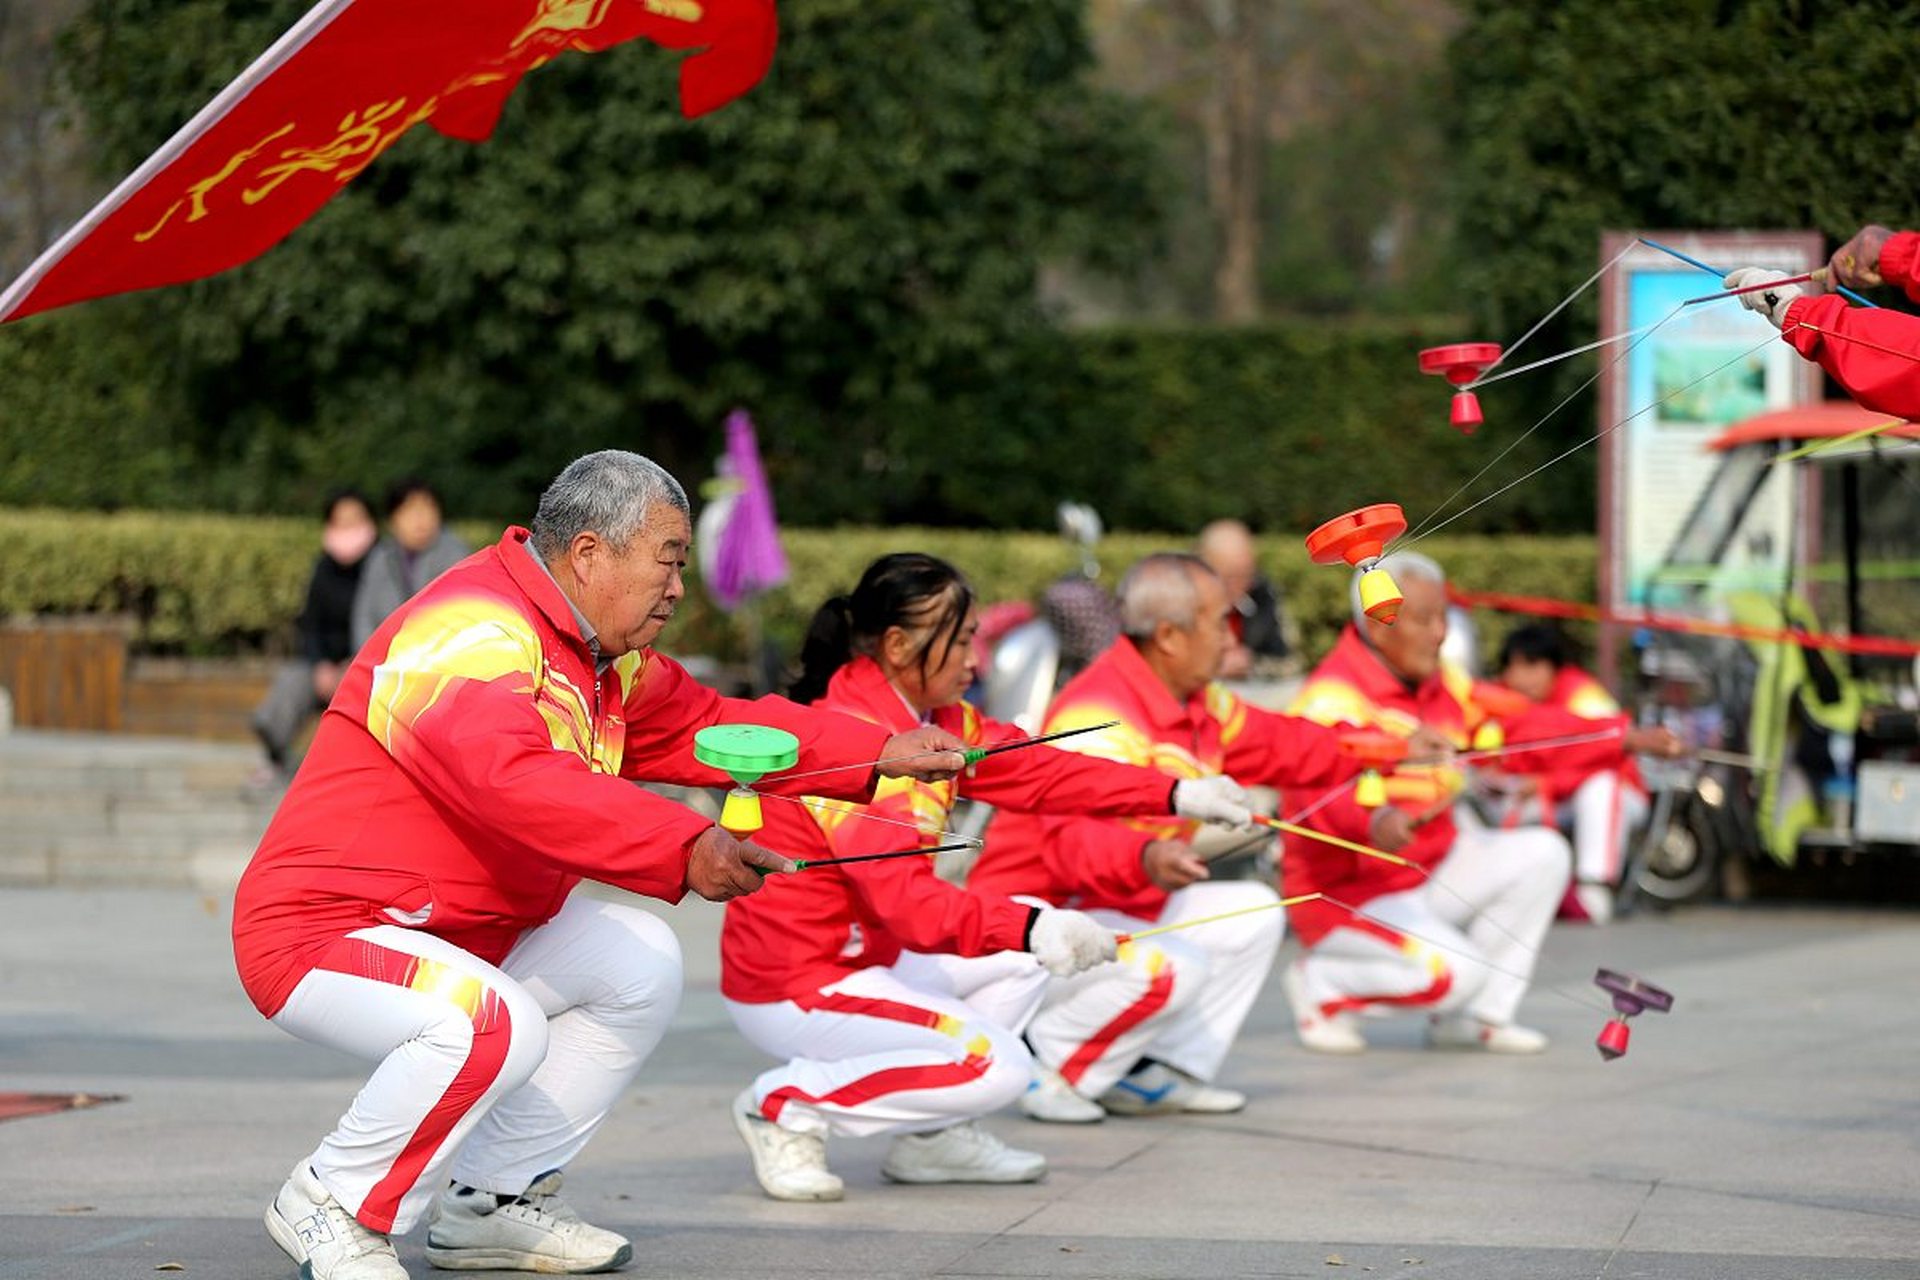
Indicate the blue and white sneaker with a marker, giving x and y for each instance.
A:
(1155, 1089)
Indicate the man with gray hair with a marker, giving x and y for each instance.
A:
(1454, 929)
(1150, 1033)
(410, 902)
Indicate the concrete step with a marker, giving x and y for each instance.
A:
(102, 809)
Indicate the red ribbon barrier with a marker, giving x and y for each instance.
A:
(1543, 606)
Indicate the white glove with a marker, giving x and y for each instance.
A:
(1068, 941)
(1771, 303)
(1215, 799)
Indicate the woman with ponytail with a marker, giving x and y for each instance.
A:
(895, 999)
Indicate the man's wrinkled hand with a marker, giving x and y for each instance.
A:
(1654, 740)
(1391, 829)
(1427, 744)
(1856, 263)
(1170, 864)
(932, 755)
(719, 867)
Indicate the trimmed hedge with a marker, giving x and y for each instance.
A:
(210, 584)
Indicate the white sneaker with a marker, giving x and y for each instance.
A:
(319, 1234)
(1466, 1032)
(789, 1165)
(1157, 1089)
(1319, 1032)
(1596, 899)
(1052, 1099)
(962, 1153)
(473, 1231)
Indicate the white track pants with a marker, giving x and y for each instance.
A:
(1467, 939)
(1177, 998)
(923, 1044)
(489, 1076)
(1601, 814)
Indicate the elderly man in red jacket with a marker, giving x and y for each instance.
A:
(1150, 1034)
(1455, 934)
(1873, 352)
(410, 902)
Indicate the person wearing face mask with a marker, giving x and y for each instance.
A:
(417, 549)
(411, 902)
(895, 1000)
(1454, 936)
(303, 687)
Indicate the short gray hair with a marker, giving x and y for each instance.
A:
(1404, 566)
(608, 493)
(1163, 587)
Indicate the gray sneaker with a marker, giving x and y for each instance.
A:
(473, 1231)
(328, 1242)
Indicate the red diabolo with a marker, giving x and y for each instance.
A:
(1631, 996)
(1460, 363)
(1358, 536)
(1372, 748)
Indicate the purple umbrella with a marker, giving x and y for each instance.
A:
(748, 558)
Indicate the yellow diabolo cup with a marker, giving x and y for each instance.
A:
(745, 753)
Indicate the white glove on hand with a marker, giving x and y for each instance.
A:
(1771, 303)
(1068, 941)
(1216, 799)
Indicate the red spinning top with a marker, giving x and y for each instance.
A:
(1460, 363)
(1358, 536)
(1631, 996)
(1498, 701)
(1372, 748)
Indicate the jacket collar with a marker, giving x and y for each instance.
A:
(862, 689)
(1369, 671)
(539, 587)
(1163, 711)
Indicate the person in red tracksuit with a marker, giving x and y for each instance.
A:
(1593, 788)
(1456, 934)
(895, 1000)
(1873, 352)
(409, 903)
(1150, 1034)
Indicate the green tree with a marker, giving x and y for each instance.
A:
(842, 251)
(1579, 117)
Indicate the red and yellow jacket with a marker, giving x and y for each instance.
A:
(1882, 382)
(1095, 862)
(1576, 704)
(805, 931)
(1353, 686)
(473, 768)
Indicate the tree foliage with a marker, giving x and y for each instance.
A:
(852, 243)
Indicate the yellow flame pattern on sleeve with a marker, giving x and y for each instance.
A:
(462, 638)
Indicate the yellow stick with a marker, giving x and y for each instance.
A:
(1124, 938)
(1821, 446)
(1308, 833)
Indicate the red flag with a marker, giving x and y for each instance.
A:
(332, 94)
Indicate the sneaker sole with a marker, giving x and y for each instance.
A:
(743, 1126)
(1098, 1114)
(515, 1260)
(282, 1233)
(937, 1179)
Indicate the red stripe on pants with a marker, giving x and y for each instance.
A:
(492, 1037)
(892, 1080)
(1442, 982)
(1152, 1000)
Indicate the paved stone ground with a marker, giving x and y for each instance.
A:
(1765, 1130)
